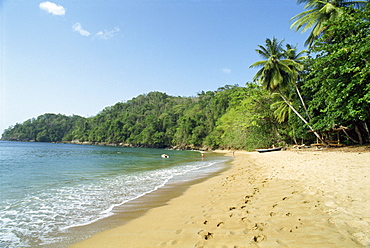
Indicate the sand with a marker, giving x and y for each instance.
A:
(298, 198)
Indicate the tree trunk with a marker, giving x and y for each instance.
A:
(367, 129)
(295, 140)
(349, 136)
(359, 135)
(303, 119)
(303, 104)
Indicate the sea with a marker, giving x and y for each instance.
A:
(47, 189)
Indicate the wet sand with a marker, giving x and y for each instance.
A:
(279, 199)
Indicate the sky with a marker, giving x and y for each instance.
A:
(80, 56)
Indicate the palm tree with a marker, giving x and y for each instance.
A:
(291, 53)
(276, 73)
(320, 11)
(282, 111)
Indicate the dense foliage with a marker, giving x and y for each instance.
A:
(44, 128)
(339, 77)
(230, 117)
(318, 13)
(295, 93)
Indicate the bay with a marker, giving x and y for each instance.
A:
(47, 189)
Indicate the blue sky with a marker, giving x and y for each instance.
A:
(78, 57)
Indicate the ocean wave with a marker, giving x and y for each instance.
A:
(37, 217)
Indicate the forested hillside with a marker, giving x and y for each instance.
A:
(325, 88)
(213, 119)
(44, 128)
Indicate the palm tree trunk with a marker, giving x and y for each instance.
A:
(295, 140)
(303, 119)
(303, 104)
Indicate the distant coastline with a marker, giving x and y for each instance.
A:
(75, 142)
(212, 120)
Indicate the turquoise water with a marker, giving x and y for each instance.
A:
(48, 188)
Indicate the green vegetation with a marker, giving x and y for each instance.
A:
(338, 81)
(230, 117)
(323, 88)
(45, 128)
(318, 13)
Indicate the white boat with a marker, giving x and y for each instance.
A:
(165, 156)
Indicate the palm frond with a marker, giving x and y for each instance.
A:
(281, 68)
(356, 4)
(317, 13)
(258, 64)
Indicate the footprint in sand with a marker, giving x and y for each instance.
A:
(258, 238)
(246, 198)
(178, 231)
(259, 226)
(219, 224)
(244, 219)
(205, 235)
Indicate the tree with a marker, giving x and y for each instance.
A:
(281, 110)
(276, 73)
(283, 113)
(339, 76)
(318, 13)
(291, 53)
(46, 128)
(250, 124)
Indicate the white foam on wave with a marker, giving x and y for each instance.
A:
(166, 175)
(56, 210)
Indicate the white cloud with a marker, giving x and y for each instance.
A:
(78, 28)
(107, 34)
(226, 70)
(52, 8)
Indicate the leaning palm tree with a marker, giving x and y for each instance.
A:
(275, 71)
(320, 11)
(276, 74)
(282, 111)
(291, 53)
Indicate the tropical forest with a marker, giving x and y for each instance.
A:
(296, 97)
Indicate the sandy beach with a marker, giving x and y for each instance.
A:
(296, 198)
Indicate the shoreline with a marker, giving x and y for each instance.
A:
(278, 199)
(125, 212)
